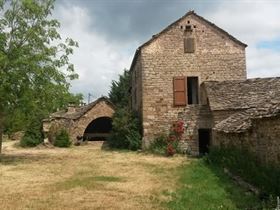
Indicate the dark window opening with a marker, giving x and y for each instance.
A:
(99, 129)
(192, 83)
(204, 136)
(189, 45)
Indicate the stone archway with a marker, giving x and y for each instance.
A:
(101, 108)
(98, 129)
(76, 120)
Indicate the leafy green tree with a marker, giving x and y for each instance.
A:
(34, 61)
(119, 93)
(125, 124)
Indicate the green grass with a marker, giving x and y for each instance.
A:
(88, 182)
(204, 187)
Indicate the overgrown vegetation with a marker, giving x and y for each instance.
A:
(33, 134)
(125, 123)
(203, 186)
(159, 145)
(241, 162)
(125, 130)
(62, 139)
(169, 144)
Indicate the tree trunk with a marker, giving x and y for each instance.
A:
(1, 132)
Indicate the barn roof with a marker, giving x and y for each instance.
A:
(242, 121)
(79, 111)
(191, 12)
(242, 94)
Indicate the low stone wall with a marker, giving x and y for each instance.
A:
(263, 139)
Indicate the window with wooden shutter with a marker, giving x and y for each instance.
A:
(179, 91)
(189, 45)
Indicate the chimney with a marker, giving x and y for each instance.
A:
(71, 108)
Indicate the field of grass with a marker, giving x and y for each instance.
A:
(88, 177)
(202, 186)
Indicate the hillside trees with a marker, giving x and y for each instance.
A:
(34, 63)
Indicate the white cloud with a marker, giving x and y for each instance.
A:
(253, 22)
(96, 60)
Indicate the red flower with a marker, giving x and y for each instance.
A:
(170, 150)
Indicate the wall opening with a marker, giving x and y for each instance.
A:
(99, 129)
(192, 83)
(204, 138)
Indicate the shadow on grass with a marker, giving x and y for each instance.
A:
(14, 159)
(203, 186)
(105, 147)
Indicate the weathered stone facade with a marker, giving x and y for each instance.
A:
(262, 139)
(246, 114)
(76, 120)
(217, 56)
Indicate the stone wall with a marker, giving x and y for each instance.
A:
(136, 87)
(262, 139)
(194, 117)
(216, 57)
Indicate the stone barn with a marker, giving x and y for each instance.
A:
(92, 122)
(167, 72)
(196, 72)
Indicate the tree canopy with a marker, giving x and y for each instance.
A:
(119, 93)
(35, 70)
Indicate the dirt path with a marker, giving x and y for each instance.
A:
(85, 177)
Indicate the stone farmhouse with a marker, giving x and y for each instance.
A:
(195, 71)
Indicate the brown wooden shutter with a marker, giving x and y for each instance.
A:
(189, 45)
(179, 91)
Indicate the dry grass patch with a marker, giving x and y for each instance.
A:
(84, 177)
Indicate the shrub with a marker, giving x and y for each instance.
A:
(62, 139)
(159, 145)
(246, 165)
(125, 130)
(169, 145)
(33, 134)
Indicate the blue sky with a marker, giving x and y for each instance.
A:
(109, 31)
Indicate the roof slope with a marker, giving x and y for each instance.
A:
(242, 121)
(191, 12)
(80, 111)
(242, 94)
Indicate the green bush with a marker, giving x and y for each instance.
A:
(125, 130)
(62, 139)
(159, 145)
(33, 135)
(246, 165)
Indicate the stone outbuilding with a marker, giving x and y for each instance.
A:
(93, 121)
(246, 114)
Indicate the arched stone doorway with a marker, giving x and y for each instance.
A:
(90, 120)
(99, 129)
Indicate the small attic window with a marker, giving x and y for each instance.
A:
(189, 46)
(188, 28)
